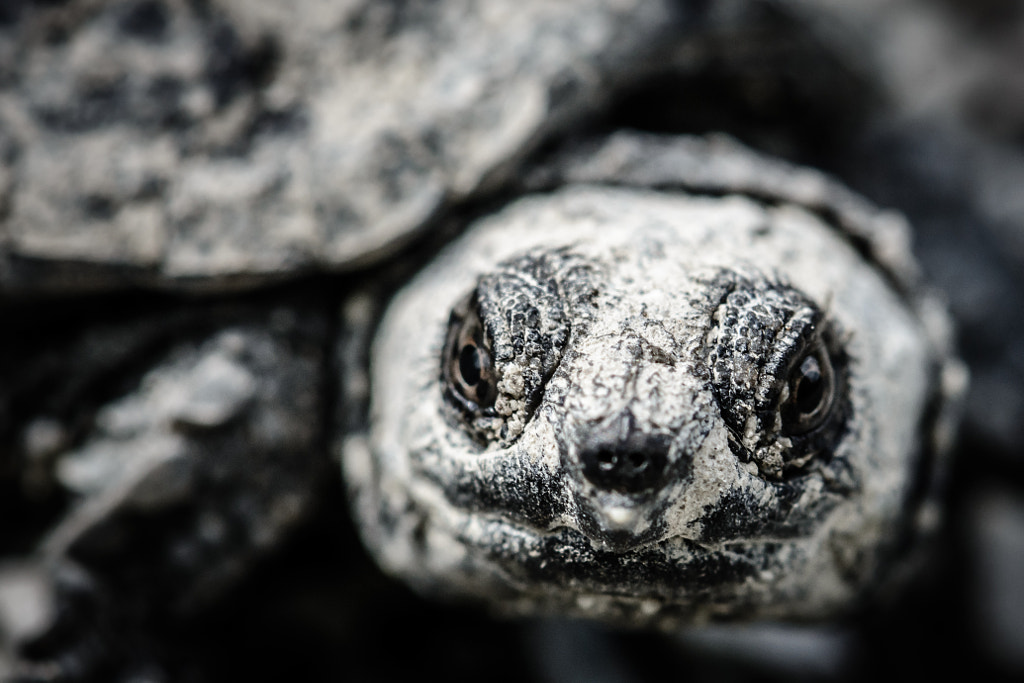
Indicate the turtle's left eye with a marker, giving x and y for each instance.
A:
(468, 366)
(778, 369)
(811, 392)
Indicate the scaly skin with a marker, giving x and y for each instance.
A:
(644, 452)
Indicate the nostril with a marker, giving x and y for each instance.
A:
(623, 470)
(638, 461)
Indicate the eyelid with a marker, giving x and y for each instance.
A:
(466, 310)
(799, 333)
(525, 320)
(760, 330)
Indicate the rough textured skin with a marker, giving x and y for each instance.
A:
(169, 508)
(636, 465)
(176, 143)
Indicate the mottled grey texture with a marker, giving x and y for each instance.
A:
(202, 453)
(159, 455)
(719, 165)
(176, 487)
(637, 468)
(230, 142)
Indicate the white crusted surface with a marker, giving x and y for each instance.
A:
(655, 254)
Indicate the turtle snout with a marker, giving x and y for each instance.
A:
(629, 470)
(620, 456)
(632, 467)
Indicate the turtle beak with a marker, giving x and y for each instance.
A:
(628, 438)
(621, 468)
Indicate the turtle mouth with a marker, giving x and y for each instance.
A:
(565, 565)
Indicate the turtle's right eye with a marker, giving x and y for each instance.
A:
(812, 391)
(467, 363)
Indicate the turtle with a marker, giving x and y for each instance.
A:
(648, 407)
(534, 304)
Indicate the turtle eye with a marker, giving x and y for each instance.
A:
(468, 366)
(812, 391)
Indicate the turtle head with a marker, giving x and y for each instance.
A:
(645, 408)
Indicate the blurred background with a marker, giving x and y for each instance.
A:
(204, 204)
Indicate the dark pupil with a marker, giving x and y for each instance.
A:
(469, 364)
(810, 386)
